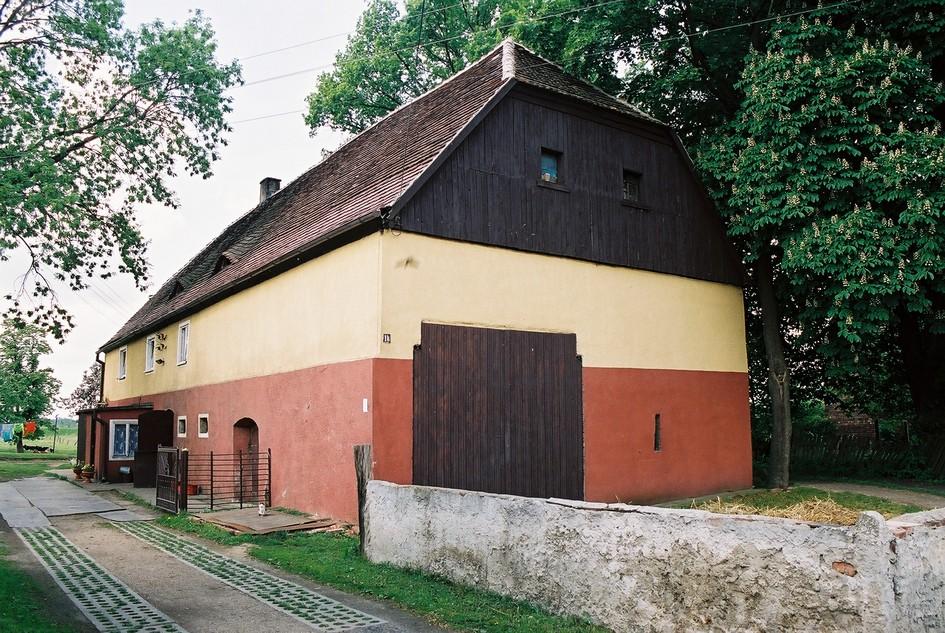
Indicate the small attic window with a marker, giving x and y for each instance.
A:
(550, 163)
(631, 186)
(222, 263)
(177, 289)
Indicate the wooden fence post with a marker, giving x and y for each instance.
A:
(362, 468)
(183, 464)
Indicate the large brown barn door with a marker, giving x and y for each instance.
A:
(498, 411)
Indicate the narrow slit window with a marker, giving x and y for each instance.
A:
(657, 433)
(203, 425)
(122, 363)
(631, 186)
(149, 346)
(550, 165)
(182, 426)
(183, 342)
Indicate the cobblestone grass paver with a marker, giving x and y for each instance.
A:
(316, 610)
(109, 604)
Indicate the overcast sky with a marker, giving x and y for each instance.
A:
(278, 146)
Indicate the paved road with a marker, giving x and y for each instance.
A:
(140, 577)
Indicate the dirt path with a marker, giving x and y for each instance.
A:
(924, 500)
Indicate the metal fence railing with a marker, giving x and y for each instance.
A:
(217, 481)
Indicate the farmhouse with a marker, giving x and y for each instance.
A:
(514, 283)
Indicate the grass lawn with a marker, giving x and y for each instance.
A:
(65, 446)
(333, 559)
(806, 503)
(23, 607)
(15, 469)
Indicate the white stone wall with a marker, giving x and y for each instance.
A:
(639, 568)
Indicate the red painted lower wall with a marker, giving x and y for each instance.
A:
(310, 418)
(704, 419)
(704, 427)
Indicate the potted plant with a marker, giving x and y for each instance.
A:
(88, 471)
(77, 469)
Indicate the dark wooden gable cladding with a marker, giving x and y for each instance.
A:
(488, 191)
(498, 411)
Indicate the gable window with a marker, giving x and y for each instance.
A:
(183, 342)
(122, 439)
(631, 186)
(203, 425)
(182, 426)
(122, 363)
(550, 165)
(149, 344)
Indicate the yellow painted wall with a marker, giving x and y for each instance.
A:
(622, 317)
(323, 311)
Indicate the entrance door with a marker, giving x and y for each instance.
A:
(246, 449)
(498, 411)
(155, 428)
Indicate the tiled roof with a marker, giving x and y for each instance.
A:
(367, 174)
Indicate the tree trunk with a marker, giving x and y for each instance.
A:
(779, 377)
(923, 354)
(19, 443)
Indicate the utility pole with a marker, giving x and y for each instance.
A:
(54, 434)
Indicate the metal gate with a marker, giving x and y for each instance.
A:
(171, 479)
(229, 480)
(498, 411)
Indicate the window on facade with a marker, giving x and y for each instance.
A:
(550, 164)
(149, 344)
(183, 342)
(631, 186)
(124, 439)
(203, 425)
(122, 363)
(182, 426)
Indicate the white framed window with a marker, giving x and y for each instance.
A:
(182, 426)
(149, 345)
(183, 342)
(122, 439)
(122, 363)
(203, 425)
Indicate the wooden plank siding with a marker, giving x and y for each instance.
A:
(498, 411)
(489, 192)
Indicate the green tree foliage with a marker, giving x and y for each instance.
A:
(94, 119)
(835, 161)
(26, 389)
(86, 394)
(394, 56)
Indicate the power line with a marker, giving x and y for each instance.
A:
(404, 49)
(267, 116)
(331, 37)
(642, 46)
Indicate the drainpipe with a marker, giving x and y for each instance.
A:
(101, 381)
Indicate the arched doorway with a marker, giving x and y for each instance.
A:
(245, 436)
(246, 450)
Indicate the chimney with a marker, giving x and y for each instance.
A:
(268, 187)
